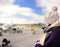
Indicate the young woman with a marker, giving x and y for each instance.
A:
(52, 16)
(53, 40)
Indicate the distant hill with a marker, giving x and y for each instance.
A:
(41, 24)
(1, 24)
(38, 24)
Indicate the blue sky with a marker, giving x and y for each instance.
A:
(30, 4)
(25, 11)
(20, 12)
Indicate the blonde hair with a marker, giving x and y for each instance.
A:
(55, 8)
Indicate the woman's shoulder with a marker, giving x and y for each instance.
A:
(56, 33)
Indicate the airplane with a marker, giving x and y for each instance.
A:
(6, 27)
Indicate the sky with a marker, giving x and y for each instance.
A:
(25, 11)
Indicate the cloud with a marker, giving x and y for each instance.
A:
(15, 20)
(25, 11)
(8, 10)
(7, 13)
(6, 2)
(13, 9)
(48, 4)
(23, 21)
(38, 18)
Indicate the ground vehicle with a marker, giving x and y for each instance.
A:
(16, 29)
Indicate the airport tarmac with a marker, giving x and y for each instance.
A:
(24, 39)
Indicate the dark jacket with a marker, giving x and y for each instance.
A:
(53, 40)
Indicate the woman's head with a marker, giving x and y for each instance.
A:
(54, 8)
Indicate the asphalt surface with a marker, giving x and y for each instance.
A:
(24, 39)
